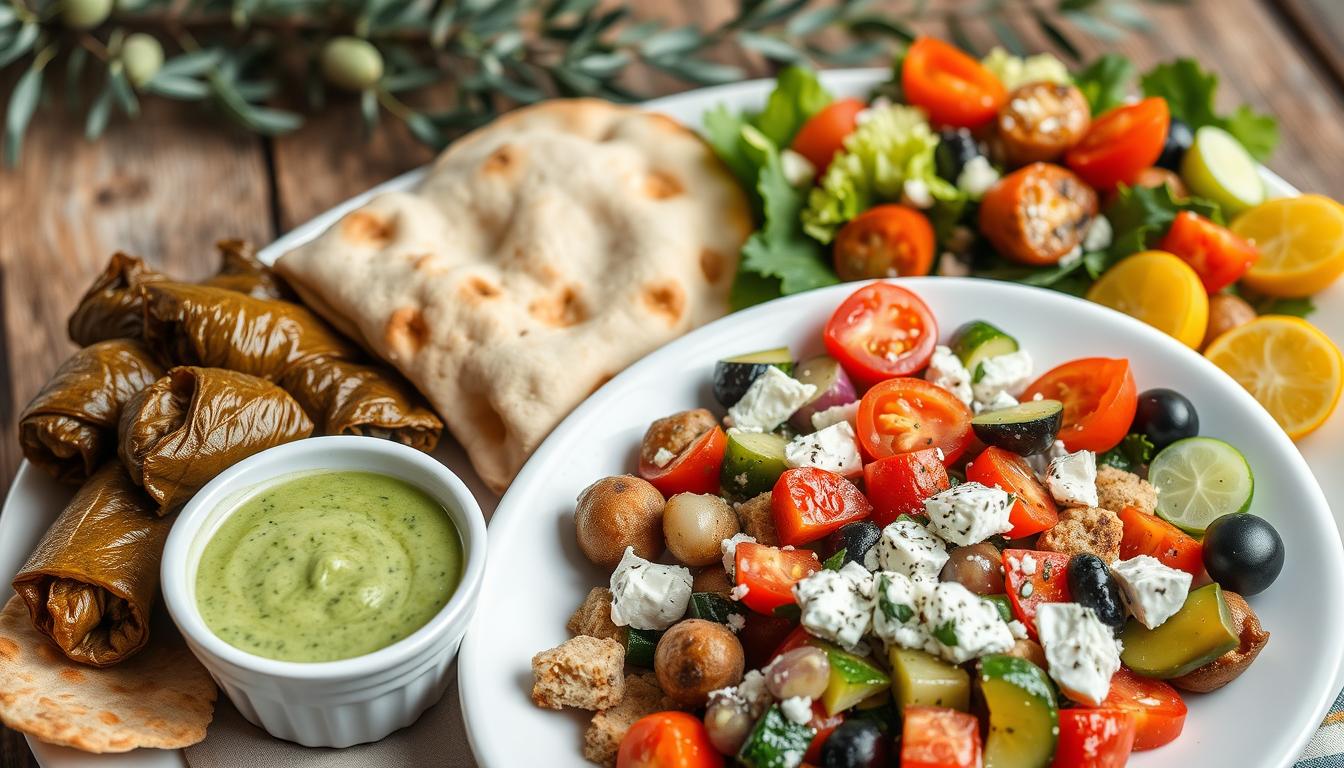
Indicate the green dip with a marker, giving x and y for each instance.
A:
(328, 566)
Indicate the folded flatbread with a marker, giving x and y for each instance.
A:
(543, 254)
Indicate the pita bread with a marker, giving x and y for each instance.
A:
(543, 254)
(162, 697)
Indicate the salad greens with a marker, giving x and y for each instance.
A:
(1105, 82)
(1015, 71)
(1189, 90)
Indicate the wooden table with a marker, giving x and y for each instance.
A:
(170, 185)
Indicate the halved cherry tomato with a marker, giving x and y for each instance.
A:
(1145, 534)
(1048, 582)
(824, 133)
(1033, 510)
(1159, 712)
(898, 485)
(1099, 397)
(824, 725)
(667, 740)
(881, 331)
(761, 634)
(1220, 256)
(1094, 738)
(807, 503)
(884, 241)
(694, 470)
(904, 415)
(949, 85)
(1038, 214)
(769, 574)
(934, 737)
(1121, 143)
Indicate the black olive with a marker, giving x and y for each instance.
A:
(1092, 585)
(1179, 139)
(1165, 416)
(1243, 553)
(857, 743)
(855, 538)
(956, 148)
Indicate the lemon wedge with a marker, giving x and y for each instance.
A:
(1159, 289)
(1301, 244)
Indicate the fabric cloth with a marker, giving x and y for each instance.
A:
(1326, 749)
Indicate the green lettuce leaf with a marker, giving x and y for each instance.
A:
(1140, 216)
(723, 132)
(798, 95)
(1189, 90)
(1105, 82)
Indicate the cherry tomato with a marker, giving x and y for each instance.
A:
(1219, 256)
(1036, 215)
(898, 485)
(824, 133)
(769, 574)
(884, 241)
(668, 740)
(934, 737)
(1033, 510)
(1159, 712)
(694, 470)
(1121, 143)
(1094, 738)
(807, 503)
(905, 415)
(1146, 534)
(824, 725)
(1099, 397)
(881, 331)
(953, 88)
(1048, 582)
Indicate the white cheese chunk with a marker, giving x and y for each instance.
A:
(798, 170)
(835, 449)
(797, 709)
(969, 513)
(769, 401)
(910, 549)
(946, 371)
(752, 693)
(663, 457)
(915, 193)
(1153, 592)
(835, 414)
(647, 595)
(1099, 235)
(729, 549)
(961, 625)
(1072, 479)
(976, 177)
(1009, 373)
(1082, 653)
(837, 605)
(897, 608)
(1000, 401)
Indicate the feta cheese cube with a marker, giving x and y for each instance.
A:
(798, 170)
(1152, 591)
(1099, 235)
(663, 457)
(915, 193)
(1001, 400)
(1082, 653)
(908, 548)
(647, 595)
(835, 448)
(837, 605)
(946, 370)
(1040, 462)
(976, 177)
(969, 513)
(835, 414)
(961, 625)
(1072, 479)
(769, 401)
(897, 608)
(797, 709)
(729, 549)
(1009, 373)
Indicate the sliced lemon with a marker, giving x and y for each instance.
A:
(1293, 369)
(1159, 289)
(1301, 243)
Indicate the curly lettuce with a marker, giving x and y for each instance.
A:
(1015, 71)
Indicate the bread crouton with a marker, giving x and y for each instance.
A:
(757, 519)
(1085, 529)
(1117, 489)
(583, 672)
(593, 618)
(604, 734)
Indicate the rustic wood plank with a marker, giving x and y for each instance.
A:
(1320, 23)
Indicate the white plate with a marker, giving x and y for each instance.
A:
(537, 576)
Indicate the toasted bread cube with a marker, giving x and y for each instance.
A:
(1117, 489)
(582, 672)
(593, 618)
(604, 734)
(758, 521)
(1085, 529)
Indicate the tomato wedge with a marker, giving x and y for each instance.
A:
(1099, 397)
(1121, 143)
(824, 133)
(1094, 738)
(668, 740)
(905, 415)
(884, 241)
(881, 331)
(1033, 511)
(898, 485)
(1219, 256)
(949, 85)
(824, 725)
(1047, 582)
(934, 737)
(694, 470)
(807, 503)
(769, 574)
(1159, 712)
(1146, 534)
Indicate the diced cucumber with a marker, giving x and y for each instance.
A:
(775, 742)
(734, 375)
(1218, 168)
(919, 679)
(712, 606)
(978, 341)
(853, 678)
(1198, 480)
(1023, 713)
(1026, 428)
(752, 463)
(1001, 605)
(1199, 633)
(640, 645)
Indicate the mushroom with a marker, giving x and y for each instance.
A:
(619, 512)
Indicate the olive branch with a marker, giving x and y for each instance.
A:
(263, 64)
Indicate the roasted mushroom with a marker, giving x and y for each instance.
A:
(619, 512)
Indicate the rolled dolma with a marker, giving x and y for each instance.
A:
(111, 309)
(239, 270)
(70, 428)
(187, 427)
(93, 579)
(348, 398)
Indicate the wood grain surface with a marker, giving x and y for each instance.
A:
(169, 185)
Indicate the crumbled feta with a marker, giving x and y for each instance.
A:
(834, 415)
(897, 608)
(738, 592)
(647, 595)
(947, 371)
(1072, 257)
(1152, 591)
(969, 513)
(835, 449)
(769, 401)
(1040, 462)
(961, 625)
(910, 549)
(916, 194)
(736, 622)
(1072, 479)
(729, 549)
(1002, 373)
(798, 170)
(1001, 400)
(1099, 235)
(663, 457)
(797, 709)
(837, 605)
(751, 693)
(1082, 653)
(976, 177)
(1018, 629)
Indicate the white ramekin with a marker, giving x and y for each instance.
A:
(332, 703)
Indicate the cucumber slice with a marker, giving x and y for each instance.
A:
(1023, 713)
(733, 375)
(712, 606)
(919, 679)
(1198, 480)
(853, 678)
(1217, 167)
(1026, 428)
(775, 742)
(640, 645)
(1001, 605)
(1199, 633)
(752, 463)
(978, 341)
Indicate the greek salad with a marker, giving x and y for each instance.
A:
(915, 550)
